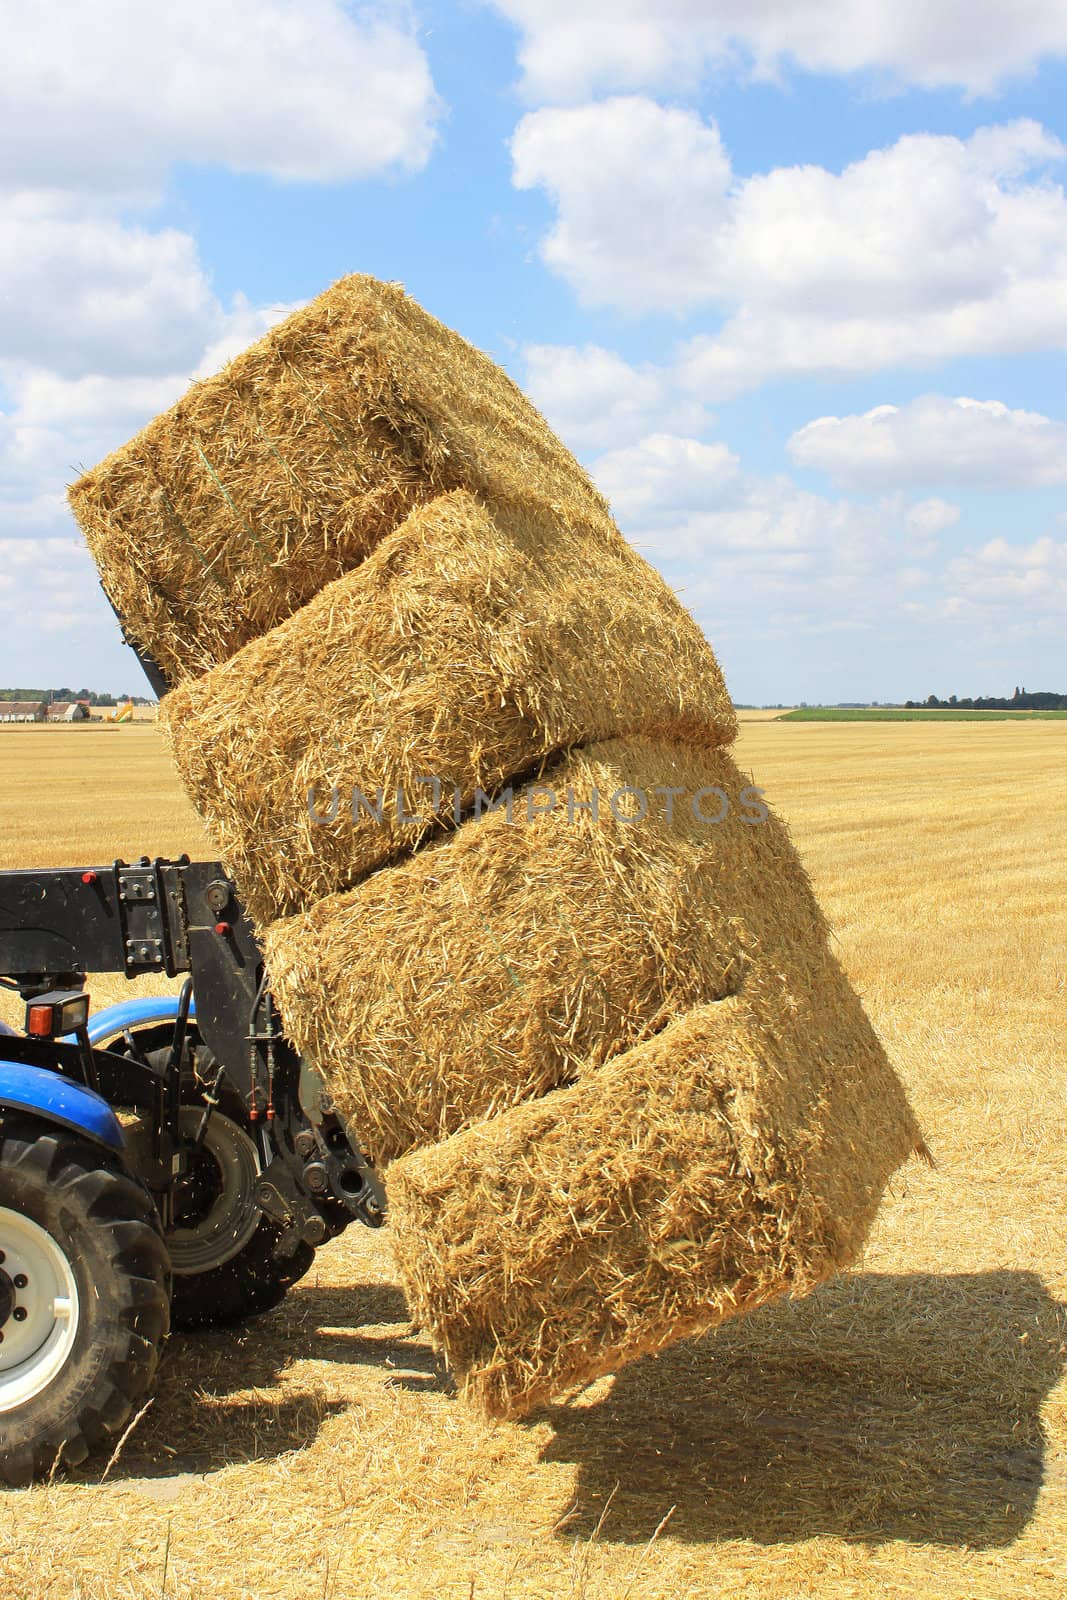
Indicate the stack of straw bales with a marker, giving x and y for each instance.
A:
(466, 755)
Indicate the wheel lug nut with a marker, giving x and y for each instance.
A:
(20, 1280)
(19, 1313)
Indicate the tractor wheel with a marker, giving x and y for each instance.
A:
(223, 1249)
(84, 1281)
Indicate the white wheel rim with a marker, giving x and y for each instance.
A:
(38, 1281)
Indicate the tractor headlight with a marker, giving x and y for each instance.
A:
(52, 1015)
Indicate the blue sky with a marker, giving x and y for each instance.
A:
(791, 278)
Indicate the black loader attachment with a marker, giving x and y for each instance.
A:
(175, 917)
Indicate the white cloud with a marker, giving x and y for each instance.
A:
(927, 224)
(111, 95)
(592, 397)
(104, 318)
(84, 293)
(569, 51)
(640, 192)
(1001, 577)
(97, 105)
(47, 585)
(812, 596)
(979, 443)
(243, 325)
(52, 426)
(926, 520)
(89, 293)
(690, 502)
(934, 248)
(663, 476)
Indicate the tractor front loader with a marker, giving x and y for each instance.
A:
(167, 1162)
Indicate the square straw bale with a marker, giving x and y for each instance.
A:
(284, 470)
(739, 1155)
(467, 648)
(505, 961)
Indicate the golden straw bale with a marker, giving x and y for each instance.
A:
(284, 470)
(496, 965)
(736, 1156)
(466, 649)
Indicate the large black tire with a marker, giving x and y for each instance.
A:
(88, 1213)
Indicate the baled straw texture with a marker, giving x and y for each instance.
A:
(739, 1155)
(284, 470)
(467, 648)
(495, 966)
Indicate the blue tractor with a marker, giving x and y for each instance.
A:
(165, 1163)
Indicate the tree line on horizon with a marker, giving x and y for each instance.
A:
(95, 697)
(1021, 700)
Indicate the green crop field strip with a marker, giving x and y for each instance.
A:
(913, 714)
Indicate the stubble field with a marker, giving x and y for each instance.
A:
(902, 1432)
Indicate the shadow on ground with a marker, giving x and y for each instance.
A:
(217, 1399)
(882, 1407)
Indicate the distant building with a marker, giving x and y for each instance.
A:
(23, 710)
(68, 711)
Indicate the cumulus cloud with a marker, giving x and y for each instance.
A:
(933, 439)
(592, 397)
(663, 477)
(48, 585)
(242, 325)
(933, 248)
(688, 500)
(84, 293)
(105, 315)
(640, 192)
(111, 95)
(98, 104)
(811, 595)
(52, 425)
(49, 426)
(569, 51)
(1002, 577)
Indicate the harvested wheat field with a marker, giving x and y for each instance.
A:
(283, 471)
(901, 1431)
(464, 651)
